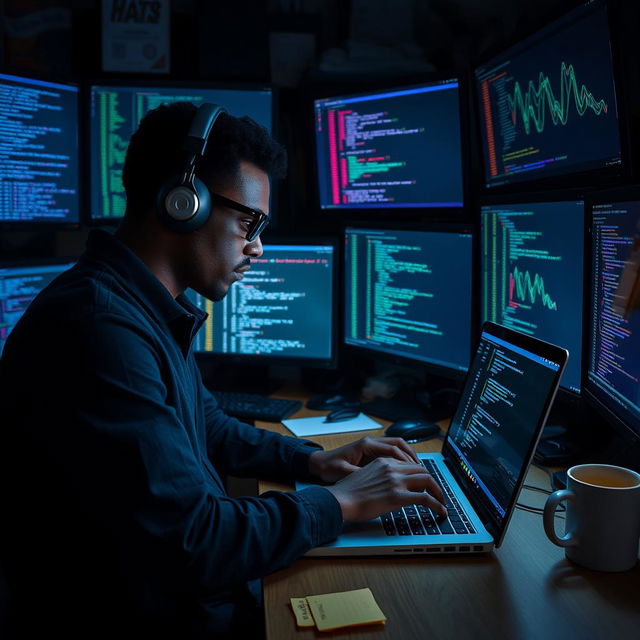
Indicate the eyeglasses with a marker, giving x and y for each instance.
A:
(259, 220)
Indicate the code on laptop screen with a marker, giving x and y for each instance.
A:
(493, 428)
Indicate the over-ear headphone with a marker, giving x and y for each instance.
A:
(183, 202)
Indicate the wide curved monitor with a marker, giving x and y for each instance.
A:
(547, 106)
(39, 151)
(390, 149)
(115, 112)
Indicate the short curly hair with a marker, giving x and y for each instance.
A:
(156, 152)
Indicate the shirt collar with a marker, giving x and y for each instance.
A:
(183, 318)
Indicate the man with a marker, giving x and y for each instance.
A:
(116, 516)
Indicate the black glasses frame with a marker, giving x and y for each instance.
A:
(259, 220)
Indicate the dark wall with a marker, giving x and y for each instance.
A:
(357, 45)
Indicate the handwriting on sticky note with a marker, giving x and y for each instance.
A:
(302, 612)
(345, 609)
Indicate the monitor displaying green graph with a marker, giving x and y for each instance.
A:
(115, 112)
(547, 106)
(532, 273)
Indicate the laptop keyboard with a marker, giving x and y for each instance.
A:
(417, 519)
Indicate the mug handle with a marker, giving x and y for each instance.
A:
(569, 539)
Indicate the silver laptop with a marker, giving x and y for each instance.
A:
(507, 396)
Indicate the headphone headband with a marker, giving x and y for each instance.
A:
(184, 202)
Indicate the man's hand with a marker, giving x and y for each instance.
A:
(384, 485)
(331, 466)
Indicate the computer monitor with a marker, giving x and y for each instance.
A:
(39, 160)
(281, 312)
(532, 257)
(115, 112)
(391, 149)
(19, 285)
(547, 106)
(613, 361)
(408, 296)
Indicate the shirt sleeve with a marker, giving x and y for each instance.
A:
(133, 466)
(245, 451)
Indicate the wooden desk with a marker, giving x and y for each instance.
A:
(524, 590)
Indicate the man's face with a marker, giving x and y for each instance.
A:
(219, 251)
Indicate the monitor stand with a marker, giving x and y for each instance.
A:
(412, 405)
(247, 378)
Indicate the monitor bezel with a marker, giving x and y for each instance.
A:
(423, 366)
(279, 360)
(53, 225)
(157, 83)
(607, 176)
(565, 394)
(593, 399)
(372, 87)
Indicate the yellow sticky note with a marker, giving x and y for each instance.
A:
(345, 609)
(302, 612)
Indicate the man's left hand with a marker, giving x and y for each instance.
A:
(331, 466)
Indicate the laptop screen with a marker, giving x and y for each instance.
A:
(492, 436)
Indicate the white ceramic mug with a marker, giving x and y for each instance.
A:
(602, 527)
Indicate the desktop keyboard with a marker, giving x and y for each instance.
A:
(417, 519)
(254, 406)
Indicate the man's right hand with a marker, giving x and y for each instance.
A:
(383, 485)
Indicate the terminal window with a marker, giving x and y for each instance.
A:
(18, 287)
(38, 151)
(408, 293)
(548, 105)
(116, 112)
(532, 274)
(282, 307)
(614, 358)
(397, 148)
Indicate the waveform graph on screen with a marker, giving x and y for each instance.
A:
(532, 272)
(526, 290)
(548, 104)
(530, 106)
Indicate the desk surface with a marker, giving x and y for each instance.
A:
(525, 589)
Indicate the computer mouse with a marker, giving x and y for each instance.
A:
(339, 415)
(412, 430)
(330, 401)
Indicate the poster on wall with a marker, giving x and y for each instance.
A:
(135, 36)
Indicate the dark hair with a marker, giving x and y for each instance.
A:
(156, 152)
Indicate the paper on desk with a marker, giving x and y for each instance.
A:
(336, 610)
(316, 426)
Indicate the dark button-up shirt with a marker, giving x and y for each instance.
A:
(112, 451)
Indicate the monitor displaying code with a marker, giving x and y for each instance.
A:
(116, 112)
(390, 149)
(547, 106)
(38, 151)
(532, 274)
(408, 294)
(283, 307)
(614, 349)
(18, 287)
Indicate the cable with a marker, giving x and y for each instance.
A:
(530, 509)
(538, 510)
(539, 489)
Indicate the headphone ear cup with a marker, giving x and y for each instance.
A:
(182, 208)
